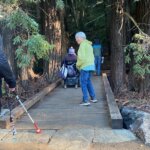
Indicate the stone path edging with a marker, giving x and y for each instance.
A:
(115, 115)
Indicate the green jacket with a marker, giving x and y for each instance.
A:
(85, 55)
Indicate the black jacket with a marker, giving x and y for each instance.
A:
(6, 72)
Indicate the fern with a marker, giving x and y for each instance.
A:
(17, 40)
(127, 59)
(139, 71)
(34, 46)
(37, 46)
(140, 55)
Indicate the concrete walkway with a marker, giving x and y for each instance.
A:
(65, 124)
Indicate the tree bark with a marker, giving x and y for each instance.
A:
(53, 28)
(117, 53)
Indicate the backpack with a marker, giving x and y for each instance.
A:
(71, 70)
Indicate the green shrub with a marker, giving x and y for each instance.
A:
(138, 54)
(29, 42)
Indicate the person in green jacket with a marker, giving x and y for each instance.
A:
(85, 63)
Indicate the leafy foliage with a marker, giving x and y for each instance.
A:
(30, 44)
(20, 19)
(36, 46)
(88, 16)
(9, 1)
(136, 0)
(138, 54)
(18, 1)
(59, 4)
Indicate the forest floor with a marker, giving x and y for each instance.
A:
(134, 100)
(34, 86)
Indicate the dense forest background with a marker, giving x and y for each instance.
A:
(37, 33)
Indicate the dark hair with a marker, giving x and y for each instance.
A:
(96, 41)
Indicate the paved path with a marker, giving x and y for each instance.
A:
(65, 124)
(61, 108)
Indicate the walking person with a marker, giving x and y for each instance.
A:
(6, 73)
(85, 63)
(97, 49)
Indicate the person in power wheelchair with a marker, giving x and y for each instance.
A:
(70, 60)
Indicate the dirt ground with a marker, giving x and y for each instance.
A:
(119, 146)
(134, 100)
(34, 86)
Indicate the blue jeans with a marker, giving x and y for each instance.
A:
(86, 85)
(0, 94)
(98, 65)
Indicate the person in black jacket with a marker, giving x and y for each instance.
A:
(5, 73)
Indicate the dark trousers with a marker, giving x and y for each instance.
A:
(0, 95)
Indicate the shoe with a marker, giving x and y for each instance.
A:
(76, 86)
(93, 100)
(65, 86)
(85, 104)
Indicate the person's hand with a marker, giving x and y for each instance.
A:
(77, 65)
(12, 89)
(102, 61)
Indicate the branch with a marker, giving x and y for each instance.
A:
(94, 19)
(122, 20)
(135, 23)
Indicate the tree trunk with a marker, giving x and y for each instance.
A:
(53, 28)
(24, 78)
(108, 26)
(117, 53)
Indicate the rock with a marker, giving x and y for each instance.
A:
(130, 115)
(141, 127)
(138, 122)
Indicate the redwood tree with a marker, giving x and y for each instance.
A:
(117, 53)
(53, 29)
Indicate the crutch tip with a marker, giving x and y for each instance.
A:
(38, 131)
